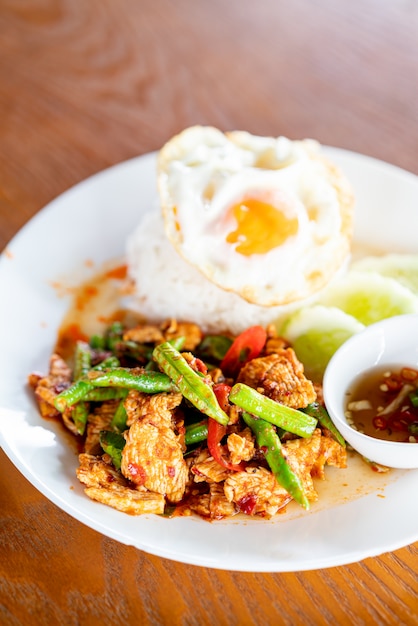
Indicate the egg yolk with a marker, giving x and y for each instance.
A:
(260, 227)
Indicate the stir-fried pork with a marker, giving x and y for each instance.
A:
(159, 405)
(256, 491)
(241, 446)
(144, 333)
(280, 377)
(330, 453)
(108, 486)
(48, 387)
(206, 469)
(192, 333)
(214, 504)
(98, 420)
(154, 469)
(153, 455)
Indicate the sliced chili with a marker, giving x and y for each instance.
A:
(247, 346)
(217, 431)
(380, 423)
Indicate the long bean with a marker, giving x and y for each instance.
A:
(101, 394)
(76, 392)
(82, 359)
(107, 363)
(148, 382)
(82, 364)
(97, 342)
(80, 388)
(214, 347)
(268, 439)
(120, 417)
(192, 386)
(113, 334)
(321, 414)
(137, 351)
(112, 444)
(280, 415)
(195, 433)
(176, 342)
(80, 414)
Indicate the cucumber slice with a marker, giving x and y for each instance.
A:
(401, 267)
(370, 297)
(315, 333)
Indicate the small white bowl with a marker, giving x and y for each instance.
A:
(393, 341)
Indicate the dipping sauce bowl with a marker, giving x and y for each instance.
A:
(391, 344)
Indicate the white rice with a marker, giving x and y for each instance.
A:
(166, 286)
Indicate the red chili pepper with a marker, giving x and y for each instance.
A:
(198, 365)
(380, 423)
(221, 391)
(216, 431)
(393, 382)
(408, 373)
(409, 416)
(248, 345)
(248, 503)
(398, 424)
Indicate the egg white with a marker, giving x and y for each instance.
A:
(203, 173)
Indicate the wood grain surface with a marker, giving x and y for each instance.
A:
(85, 84)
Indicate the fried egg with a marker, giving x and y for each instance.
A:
(267, 218)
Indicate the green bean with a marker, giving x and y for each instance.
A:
(151, 366)
(113, 334)
(76, 392)
(80, 414)
(101, 394)
(191, 385)
(82, 364)
(177, 342)
(321, 414)
(80, 388)
(195, 433)
(148, 382)
(110, 361)
(113, 444)
(268, 439)
(120, 418)
(214, 347)
(138, 351)
(278, 414)
(97, 342)
(82, 359)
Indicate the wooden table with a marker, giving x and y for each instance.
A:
(86, 84)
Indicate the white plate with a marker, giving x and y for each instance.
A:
(90, 223)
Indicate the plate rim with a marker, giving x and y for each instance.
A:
(62, 503)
